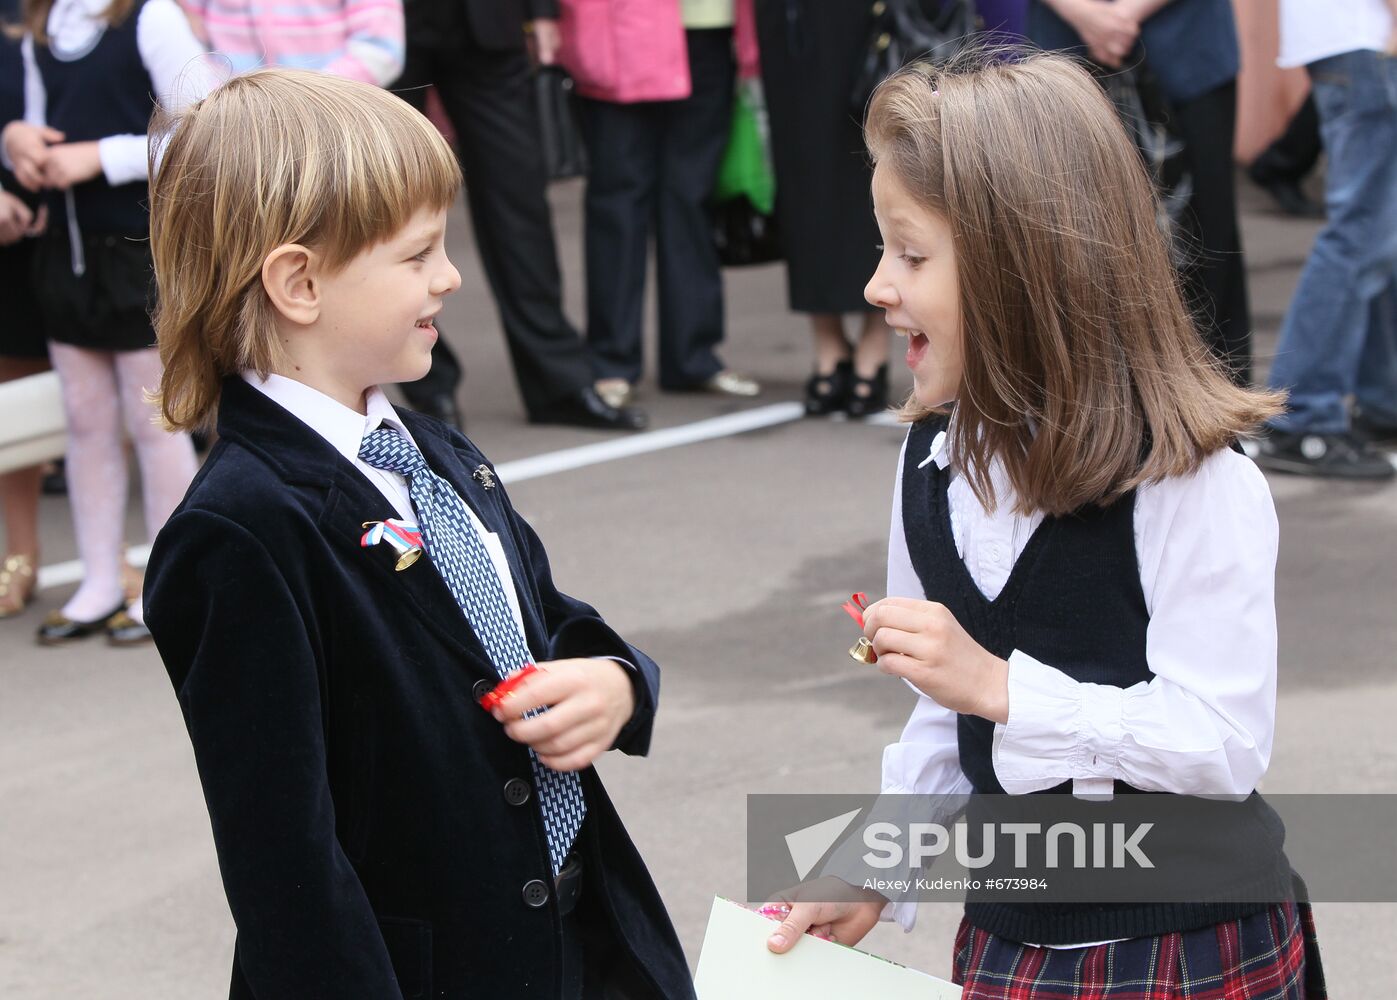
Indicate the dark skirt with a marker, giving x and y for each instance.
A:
(1272, 955)
(810, 51)
(21, 327)
(107, 307)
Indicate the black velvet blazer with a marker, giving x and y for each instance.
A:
(357, 792)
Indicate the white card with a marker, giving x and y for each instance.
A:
(735, 965)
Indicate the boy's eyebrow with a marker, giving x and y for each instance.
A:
(426, 236)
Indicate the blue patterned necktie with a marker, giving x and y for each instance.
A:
(459, 554)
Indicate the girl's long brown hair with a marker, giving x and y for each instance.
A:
(1083, 371)
(35, 17)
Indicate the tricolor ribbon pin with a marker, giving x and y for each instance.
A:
(403, 537)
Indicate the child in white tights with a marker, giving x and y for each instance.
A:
(90, 68)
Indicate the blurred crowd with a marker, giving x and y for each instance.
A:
(670, 100)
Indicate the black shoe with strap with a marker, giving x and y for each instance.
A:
(826, 394)
(1334, 456)
(868, 396)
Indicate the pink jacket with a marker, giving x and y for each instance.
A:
(625, 51)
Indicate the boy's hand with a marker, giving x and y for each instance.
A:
(72, 163)
(922, 642)
(845, 921)
(28, 148)
(588, 702)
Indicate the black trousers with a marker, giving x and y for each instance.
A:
(651, 168)
(1214, 274)
(488, 96)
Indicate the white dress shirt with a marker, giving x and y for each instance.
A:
(173, 57)
(1315, 29)
(1203, 724)
(345, 430)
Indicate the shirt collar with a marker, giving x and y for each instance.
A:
(940, 451)
(342, 427)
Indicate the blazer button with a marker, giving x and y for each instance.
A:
(535, 893)
(516, 791)
(481, 689)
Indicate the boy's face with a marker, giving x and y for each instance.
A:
(917, 288)
(376, 315)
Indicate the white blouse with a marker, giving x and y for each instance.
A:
(1203, 724)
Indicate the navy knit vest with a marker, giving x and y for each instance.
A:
(106, 91)
(1073, 601)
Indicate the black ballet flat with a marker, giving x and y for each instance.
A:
(58, 629)
(868, 396)
(826, 394)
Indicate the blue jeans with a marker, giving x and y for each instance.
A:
(1340, 335)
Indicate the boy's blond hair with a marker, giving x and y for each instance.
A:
(1083, 370)
(272, 157)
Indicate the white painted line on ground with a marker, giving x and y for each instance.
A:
(670, 437)
(60, 574)
(547, 464)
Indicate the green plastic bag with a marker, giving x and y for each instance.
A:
(746, 168)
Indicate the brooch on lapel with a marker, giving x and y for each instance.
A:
(484, 476)
(403, 537)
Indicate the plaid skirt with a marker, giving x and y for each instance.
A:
(1272, 955)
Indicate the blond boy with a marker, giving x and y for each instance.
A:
(380, 834)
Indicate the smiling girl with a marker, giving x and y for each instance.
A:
(1081, 570)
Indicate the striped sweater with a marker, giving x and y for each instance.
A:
(358, 39)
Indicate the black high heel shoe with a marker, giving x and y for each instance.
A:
(826, 394)
(868, 396)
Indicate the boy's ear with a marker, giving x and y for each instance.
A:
(289, 276)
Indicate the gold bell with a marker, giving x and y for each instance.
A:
(863, 651)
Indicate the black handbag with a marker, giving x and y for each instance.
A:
(902, 30)
(563, 152)
(744, 236)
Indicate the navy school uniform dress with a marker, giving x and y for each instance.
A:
(93, 272)
(375, 828)
(1074, 597)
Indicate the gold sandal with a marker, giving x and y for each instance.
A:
(17, 584)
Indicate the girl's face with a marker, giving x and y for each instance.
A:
(917, 288)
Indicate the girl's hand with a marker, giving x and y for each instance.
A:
(28, 148)
(845, 921)
(588, 701)
(17, 221)
(1108, 29)
(922, 642)
(71, 164)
